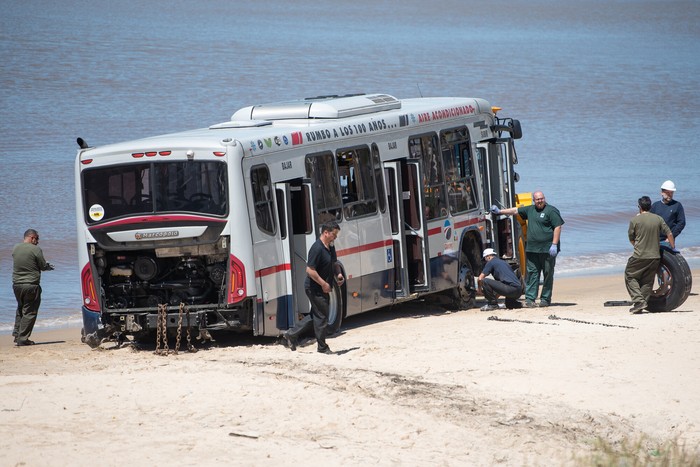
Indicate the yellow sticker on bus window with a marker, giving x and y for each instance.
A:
(97, 212)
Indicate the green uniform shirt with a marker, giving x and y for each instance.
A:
(645, 230)
(28, 263)
(540, 227)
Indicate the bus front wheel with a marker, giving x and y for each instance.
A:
(466, 292)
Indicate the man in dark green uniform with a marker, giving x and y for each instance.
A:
(543, 233)
(28, 262)
(644, 232)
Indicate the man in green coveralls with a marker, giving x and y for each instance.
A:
(644, 232)
(543, 234)
(28, 262)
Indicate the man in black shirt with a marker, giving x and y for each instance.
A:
(320, 272)
(504, 282)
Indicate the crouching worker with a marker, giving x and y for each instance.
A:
(505, 282)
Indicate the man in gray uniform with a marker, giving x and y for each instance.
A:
(28, 262)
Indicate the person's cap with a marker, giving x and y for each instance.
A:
(668, 185)
(489, 252)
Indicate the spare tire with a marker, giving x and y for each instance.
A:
(673, 282)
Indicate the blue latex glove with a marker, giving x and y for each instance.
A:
(553, 251)
(495, 210)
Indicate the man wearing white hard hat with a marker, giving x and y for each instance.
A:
(504, 282)
(669, 209)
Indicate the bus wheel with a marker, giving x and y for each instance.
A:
(673, 282)
(335, 310)
(465, 292)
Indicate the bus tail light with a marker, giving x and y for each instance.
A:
(89, 293)
(237, 291)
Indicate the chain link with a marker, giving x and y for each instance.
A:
(157, 331)
(590, 322)
(555, 317)
(162, 330)
(496, 318)
(179, 329)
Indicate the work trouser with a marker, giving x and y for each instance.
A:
(318, 318)
(493, 289)
(639, 278)
(539, 263)
(28, 300)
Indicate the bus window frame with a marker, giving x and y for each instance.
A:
(464, 173)
(152, 201)
(362, 201)
(432, 189)
(263, 205)
(327, 184)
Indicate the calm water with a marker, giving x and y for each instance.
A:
(607, 93)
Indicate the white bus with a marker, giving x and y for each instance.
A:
(219, 220)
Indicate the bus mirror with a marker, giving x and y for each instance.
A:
(517, 131)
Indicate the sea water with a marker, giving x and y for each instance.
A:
(606, 91)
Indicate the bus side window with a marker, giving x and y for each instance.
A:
(457, 160)
(322, 171)
(262, 199)
(357, 182)
(426, 148)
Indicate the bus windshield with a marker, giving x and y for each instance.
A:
(149, 188)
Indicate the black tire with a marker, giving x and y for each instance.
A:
(463, 296)
(336, 308)
(673, 282)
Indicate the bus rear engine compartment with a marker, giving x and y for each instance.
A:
(147, 279)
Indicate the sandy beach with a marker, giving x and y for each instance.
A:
(410, 385)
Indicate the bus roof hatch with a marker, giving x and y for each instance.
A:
(319, 107)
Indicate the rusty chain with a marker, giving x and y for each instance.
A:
(162, 330)
(555, 317)
(179, 328)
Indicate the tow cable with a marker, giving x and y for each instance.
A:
(590, 322)
(496, 318)
(555, 317)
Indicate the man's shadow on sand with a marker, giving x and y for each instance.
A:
(42, 343)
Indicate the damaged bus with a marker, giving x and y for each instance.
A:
(218, 221)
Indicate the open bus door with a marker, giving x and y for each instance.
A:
(500, 191)
(285, 311)
(301, 238)
(411, 262)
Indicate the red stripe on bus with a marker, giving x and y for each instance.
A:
(348, 251)
(273, 270)
(361, 248)
(143, 219)
(476, 220)
(458, 225)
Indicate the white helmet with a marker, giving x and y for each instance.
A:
(488, 252)
(668, 185)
